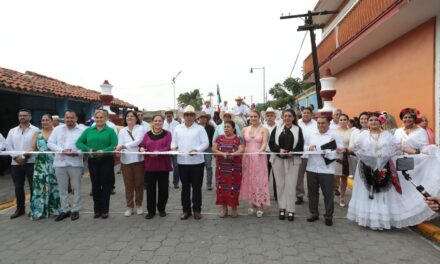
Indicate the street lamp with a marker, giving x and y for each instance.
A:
(264, 81)
(174, 87)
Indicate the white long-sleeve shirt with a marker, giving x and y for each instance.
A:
(186, 139)
(125, 140)
(307, 129)
(20, 140)
(2, 142)
(64, 138)
(316, 163)
(170, 127)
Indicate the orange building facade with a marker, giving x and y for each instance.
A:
(385, 55)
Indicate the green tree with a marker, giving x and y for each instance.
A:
(284, 93)
(210, 95)
(193, 98)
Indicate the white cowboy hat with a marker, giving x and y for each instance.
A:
(189, 109)
(230, 113)
(168, 110)
(239, 98)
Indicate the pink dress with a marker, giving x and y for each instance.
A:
(254, 183)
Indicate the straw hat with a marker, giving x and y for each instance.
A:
(207, 101)
(189, 109)
(239, 98)
(203, 114)
(230, 113)
(168, 110)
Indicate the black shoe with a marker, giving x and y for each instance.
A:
(91, 194)
(62, 216)
(74, 216)
(282, 214)
(113, 192)
(209, 187)
(176, 186)
(104, 215)
(97, 215)
(337, 193)
(149, 216)
(299, 200)
(162, 214)
(17, 213)
(328, 222)
(312, 218)
(290, 216)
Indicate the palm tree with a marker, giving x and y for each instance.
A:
(210, 94)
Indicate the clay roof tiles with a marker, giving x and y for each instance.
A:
(43, 85)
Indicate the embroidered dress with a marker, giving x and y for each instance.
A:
(254, 184)
(228, 172)
(45, 195)
(389, 207)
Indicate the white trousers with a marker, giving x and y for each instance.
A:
(63, 175)
(286, 176)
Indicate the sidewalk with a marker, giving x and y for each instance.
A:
(246, 239)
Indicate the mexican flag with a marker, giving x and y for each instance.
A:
(219, 99)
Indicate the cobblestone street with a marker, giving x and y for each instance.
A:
(246, 239)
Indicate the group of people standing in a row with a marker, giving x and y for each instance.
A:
(243, 164)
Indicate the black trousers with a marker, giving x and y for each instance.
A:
(101, 171)
(156, 180)
(191, 176)
(19, 174)
(270, 172)
(325, 181)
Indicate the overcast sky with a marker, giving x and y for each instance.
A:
(140, 45)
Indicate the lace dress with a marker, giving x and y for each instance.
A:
(254, 184)
(388, 208)
(45, 194)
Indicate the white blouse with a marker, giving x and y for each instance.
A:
(131, 144)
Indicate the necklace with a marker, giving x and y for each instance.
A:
(156, 133)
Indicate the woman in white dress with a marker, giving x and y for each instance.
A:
(342, 166)
(381, 199)
(413, 136)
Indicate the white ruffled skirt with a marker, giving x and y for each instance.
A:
(391, 209)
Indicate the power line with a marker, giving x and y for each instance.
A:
(297, 56)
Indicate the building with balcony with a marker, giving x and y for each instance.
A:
(385, 55)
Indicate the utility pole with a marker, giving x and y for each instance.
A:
(309, 26)
(174, 88)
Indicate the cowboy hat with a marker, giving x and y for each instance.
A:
(230, 113)
(239, 98)
(189, 109)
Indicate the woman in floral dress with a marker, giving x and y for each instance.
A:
(45, 199)
(228, 169)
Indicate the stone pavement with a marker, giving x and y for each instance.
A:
(246, 239)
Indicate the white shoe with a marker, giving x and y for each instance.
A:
(139, 210)
(251, 211)
(128, 212)
(259, 213)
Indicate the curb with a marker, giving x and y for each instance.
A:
(427, 228)
(12, 203)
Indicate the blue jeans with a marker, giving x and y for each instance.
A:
(208, 166)
(176, 176)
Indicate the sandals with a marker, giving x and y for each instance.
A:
(223, 212)
(234, 213)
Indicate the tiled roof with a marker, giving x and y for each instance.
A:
(42, 85)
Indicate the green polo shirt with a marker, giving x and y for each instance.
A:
(92, 138)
